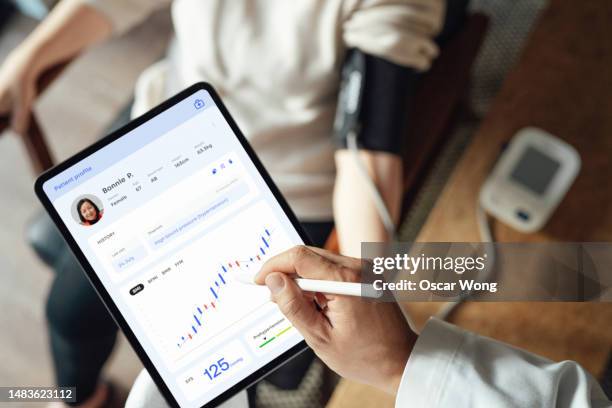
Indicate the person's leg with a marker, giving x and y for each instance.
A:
(144, 393)
(81, 331)
(318, 232)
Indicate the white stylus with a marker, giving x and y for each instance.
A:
(324, 286)
(338, 288)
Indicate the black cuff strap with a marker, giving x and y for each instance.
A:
(386, 95)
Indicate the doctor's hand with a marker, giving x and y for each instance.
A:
(365, 341)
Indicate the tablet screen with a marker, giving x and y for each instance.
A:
(165, 215)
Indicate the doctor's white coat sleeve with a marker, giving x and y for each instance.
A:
(450, 367)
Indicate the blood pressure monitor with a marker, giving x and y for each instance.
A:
(530, 179)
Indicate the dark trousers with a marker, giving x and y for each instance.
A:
(82, 333)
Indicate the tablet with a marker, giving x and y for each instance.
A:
(160, 214)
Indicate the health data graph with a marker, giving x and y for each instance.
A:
(186, 302)
(219, 286)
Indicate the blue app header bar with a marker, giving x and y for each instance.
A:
(127, 144)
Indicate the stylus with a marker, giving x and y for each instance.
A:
(338, 288)
(323, 286)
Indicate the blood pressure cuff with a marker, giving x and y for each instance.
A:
(387, 93)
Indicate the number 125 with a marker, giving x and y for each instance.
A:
(216, 369)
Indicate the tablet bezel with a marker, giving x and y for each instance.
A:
(97, 283)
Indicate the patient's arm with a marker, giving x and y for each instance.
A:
(388, 91)
(355, 214)
(70, 27)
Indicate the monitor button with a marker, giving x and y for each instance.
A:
(523, 215)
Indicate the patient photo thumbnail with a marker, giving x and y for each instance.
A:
(87, 210)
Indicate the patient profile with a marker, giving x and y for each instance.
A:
(89, 213)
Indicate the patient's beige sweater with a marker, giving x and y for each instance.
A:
(276, 64)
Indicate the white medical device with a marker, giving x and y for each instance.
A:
(530, 179)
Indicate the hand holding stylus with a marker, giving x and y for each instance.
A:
(375, 333)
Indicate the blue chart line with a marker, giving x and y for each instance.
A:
(215, 289)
